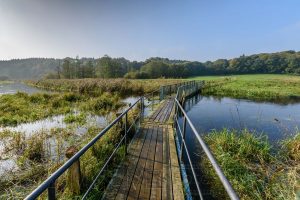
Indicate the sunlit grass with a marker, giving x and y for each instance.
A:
(254, 168)
(255, 87)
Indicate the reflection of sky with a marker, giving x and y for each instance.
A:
(277, 121)
(57, 122)
(13, 88)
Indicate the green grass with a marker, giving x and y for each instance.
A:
(21, 107)
(255, 87)
(253, 167)
(6, 82)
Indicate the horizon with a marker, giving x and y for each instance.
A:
(146, 58)
(194, 31)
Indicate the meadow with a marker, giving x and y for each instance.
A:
(266, 87)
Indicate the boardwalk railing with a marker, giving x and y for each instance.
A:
(168, 90)
(49, 183)
(184, 91)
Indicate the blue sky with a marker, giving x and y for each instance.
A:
(135, 29)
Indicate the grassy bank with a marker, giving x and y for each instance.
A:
(5, 82)
(98, 86)
(254, 87)
(21, 107)
(254, 168)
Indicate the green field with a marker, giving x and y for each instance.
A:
(255, 87)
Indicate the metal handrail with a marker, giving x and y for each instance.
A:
(186, 120)
(49, 183)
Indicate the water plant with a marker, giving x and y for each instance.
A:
(254, 168)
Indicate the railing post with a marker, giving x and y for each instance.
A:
(51, 191)
(152, 107)
(183, 136)
(126, 133)
(74, 173)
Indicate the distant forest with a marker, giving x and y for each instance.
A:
(287, 62)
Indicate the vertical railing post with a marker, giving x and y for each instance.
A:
(152, 107)
(183, 136)
(51, 191)
(126, 133)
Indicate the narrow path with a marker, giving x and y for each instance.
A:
(151, 169)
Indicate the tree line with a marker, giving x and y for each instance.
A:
(286, 62)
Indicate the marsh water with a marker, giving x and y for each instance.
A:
(8, 163)
(208, 113)
(277, 121)
(14, 87)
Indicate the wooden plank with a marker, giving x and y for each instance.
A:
(167, 179)
(156, 113)
(133, 151)
(126, 182)
(163, 113)
(158, 167)
(147, 177)
(137, 179)
(168, 112)
(176, 177)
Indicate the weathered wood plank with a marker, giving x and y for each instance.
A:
(176, 177)
(167, 179)
(158, 167)
(133, 151)
(126, 183)
(148, 173)
(137, 179)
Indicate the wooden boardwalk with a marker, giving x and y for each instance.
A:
(151, 169)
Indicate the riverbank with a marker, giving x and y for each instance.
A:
(254, 168)
(261, 87)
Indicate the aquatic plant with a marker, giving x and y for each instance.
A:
(252, 167)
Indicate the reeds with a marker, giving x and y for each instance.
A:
(255, 169)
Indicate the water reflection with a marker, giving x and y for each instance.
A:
(12, 88)
(276, 120)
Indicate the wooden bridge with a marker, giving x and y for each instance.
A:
(151, 169)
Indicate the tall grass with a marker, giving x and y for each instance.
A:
(99, 86)
(42, 153)
(254, 168)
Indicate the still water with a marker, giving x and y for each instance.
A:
(277, 121)
(14, 87)
(207, 113)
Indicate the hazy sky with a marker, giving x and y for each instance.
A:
(138, 29)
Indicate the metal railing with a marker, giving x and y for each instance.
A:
(181, 131)
(49, 183)
(168, 90)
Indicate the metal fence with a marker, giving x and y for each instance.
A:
(181, 135)
(168, 90)
(49, 183)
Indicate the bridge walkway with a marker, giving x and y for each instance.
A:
(151, 169)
